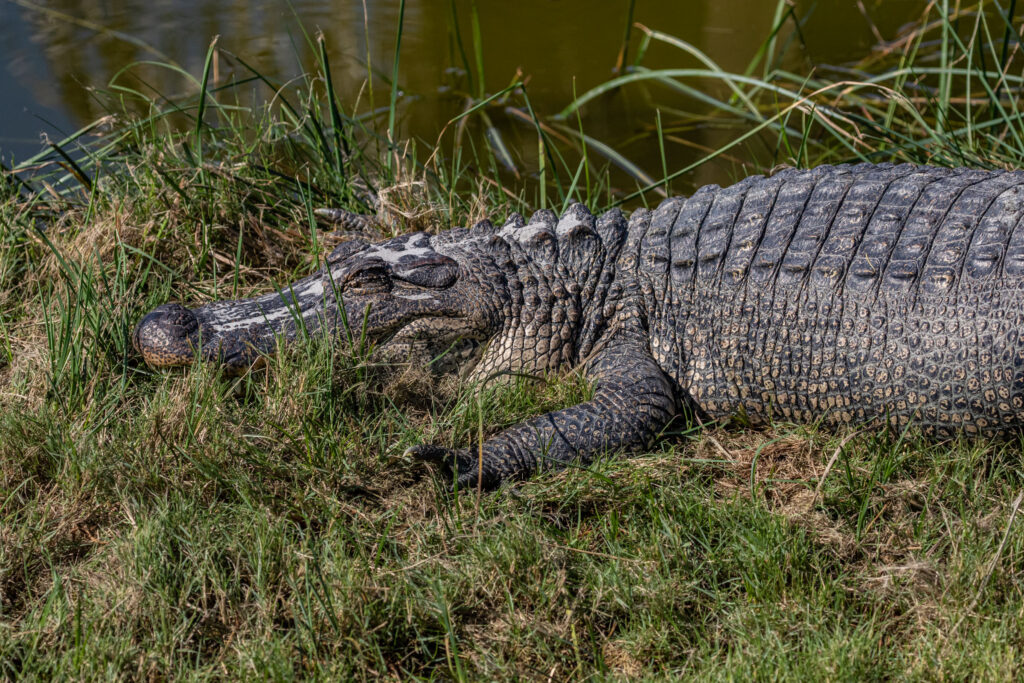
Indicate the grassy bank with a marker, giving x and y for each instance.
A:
(186, 524)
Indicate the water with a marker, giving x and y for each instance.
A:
(54, 53)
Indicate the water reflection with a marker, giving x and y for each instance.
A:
(55, 51)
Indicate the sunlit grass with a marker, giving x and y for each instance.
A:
(186, 524)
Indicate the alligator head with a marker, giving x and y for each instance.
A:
(483, 300)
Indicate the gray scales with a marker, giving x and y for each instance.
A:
(846, 295)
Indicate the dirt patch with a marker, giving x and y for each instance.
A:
(61, 532)
(787, 473)
(620, 661)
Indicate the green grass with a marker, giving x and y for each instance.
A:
(190, 525)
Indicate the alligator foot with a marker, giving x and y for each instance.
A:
(348, 221)
(461, 466)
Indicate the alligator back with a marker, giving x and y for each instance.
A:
(844, 294)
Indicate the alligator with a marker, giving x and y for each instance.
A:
(841, 295)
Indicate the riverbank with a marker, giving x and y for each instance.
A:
(187, 524)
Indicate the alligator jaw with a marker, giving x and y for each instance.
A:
(171, 335)
(235, 335)
(439, 344)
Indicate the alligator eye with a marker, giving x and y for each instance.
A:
(368, 281)
(432, 270)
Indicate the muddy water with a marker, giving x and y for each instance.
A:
(54, 53)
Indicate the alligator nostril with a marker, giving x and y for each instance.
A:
(165, 336)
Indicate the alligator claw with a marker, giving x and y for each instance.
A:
(460, 464)
(347, 221)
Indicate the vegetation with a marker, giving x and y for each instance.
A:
(187, 524)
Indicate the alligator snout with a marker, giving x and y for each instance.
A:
(172, 335)
(166, 336)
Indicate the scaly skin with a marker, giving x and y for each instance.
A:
(845, 295)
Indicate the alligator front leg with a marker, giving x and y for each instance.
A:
(633, 401)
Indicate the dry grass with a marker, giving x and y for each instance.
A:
(190, 525)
